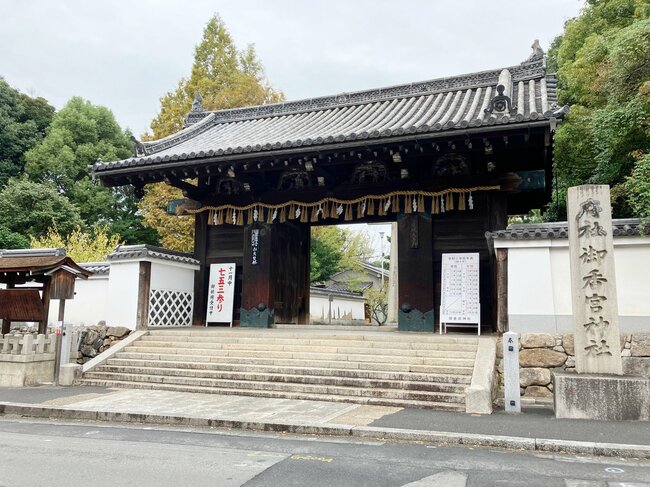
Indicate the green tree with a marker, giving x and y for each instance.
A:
(80, 134)
(12, 240)
(30, 209)
(23, 121)
(603, 65)
(326, 252)
(226, 77)
(336, 248)
(82, 246)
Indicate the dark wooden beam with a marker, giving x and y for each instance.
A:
(47, 284)
(144, 288)
(200, 276)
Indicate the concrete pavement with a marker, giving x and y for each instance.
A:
(536, 429)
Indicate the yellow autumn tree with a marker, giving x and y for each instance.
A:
(91, 246)
(226, 78)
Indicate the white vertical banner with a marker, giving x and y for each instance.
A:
(221, 293)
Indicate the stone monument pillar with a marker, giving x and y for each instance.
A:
(598, 390)
(595, 308)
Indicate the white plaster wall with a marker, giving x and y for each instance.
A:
(123, 294)
(319, 308)
(90, 303)
(539, 284)
(530, 289)
(172, 277)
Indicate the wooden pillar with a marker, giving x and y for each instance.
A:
(502, 289)
(144, 287)
(257, 307)
(202, 275)
(415, 279)
(47, 286)
(6, 324)
(275, 285)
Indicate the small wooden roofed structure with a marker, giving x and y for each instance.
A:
(51, 268)
(447, 158)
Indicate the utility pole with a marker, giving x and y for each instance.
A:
(381, 238)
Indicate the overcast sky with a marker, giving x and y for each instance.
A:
(125, 55)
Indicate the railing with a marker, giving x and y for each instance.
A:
(28, 344)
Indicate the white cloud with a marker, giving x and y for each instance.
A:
(125, 55)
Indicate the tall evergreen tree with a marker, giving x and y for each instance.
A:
(81, 133)
(226, 78)
(603, 65)
(23, 121)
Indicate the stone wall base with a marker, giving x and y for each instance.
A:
(20, 374)
(601, 397)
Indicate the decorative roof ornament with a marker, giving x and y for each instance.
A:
(538, 52)
(197, 104)
(503, 101)
(139, 149)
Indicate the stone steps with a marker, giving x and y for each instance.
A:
(419, 365)
(407, 370)
(456, 375)
(375, 401)
(300, 388)
(314, 379)
(337, 342)
(319, 353)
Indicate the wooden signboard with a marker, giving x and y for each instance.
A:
(221, 293)
(459, 297)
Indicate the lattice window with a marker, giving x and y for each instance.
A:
(170, 308)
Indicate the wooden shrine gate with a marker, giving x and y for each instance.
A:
(448, 159)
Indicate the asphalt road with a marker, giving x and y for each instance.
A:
(63, 454)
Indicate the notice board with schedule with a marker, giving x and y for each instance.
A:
(460, 303)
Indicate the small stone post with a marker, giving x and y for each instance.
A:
(595, 308)
(511, 372)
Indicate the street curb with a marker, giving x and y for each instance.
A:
(363, 432)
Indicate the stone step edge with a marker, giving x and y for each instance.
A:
(309, 341)
(351, 350)
(364, 432)
(453, 397)
(271, 333)
(289, 370)
(295, 378)
(311, 396)
(288, 362)
(290, 355)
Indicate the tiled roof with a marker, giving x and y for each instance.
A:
(39, 261)
(124, 252)
(629, 227)
(98, 268)
(439, 105)
(335, 291)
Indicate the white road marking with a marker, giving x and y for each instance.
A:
(448, 479)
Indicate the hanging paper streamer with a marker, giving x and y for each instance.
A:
(371, 207)
(461, 201)
(333, 208)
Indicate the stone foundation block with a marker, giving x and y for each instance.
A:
(637, 366)
(602, 397)
(26, 373)
(68, 373)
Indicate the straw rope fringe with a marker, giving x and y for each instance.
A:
(335, 208)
